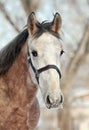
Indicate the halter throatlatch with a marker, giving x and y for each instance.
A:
(38, 71)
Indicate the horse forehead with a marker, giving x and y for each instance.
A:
(44, 40)
(47, 38)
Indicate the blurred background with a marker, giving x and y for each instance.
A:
(75, 61)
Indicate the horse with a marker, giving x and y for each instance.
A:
(30, 62)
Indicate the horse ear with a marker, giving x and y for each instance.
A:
(57, 23)
(31, 23)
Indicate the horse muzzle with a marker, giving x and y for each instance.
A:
(56, 102)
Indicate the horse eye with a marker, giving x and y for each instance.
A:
(61, 52)
(34, 53)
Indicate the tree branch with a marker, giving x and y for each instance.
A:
(80, 96)
(79, 57)
(2, 8)
(26, 5)
(30, 5)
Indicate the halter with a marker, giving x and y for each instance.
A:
(38, 71)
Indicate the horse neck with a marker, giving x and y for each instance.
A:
(18, 79)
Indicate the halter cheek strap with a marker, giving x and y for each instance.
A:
(38, 71)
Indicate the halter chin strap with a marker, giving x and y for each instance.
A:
(38, 71)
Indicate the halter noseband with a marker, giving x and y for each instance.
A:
(38, 71)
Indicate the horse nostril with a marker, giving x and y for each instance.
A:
(48, 100)
(61, 99)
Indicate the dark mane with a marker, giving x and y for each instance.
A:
(45, 27)
(11, 51)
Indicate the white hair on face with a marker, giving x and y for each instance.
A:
(45, 48)
(48, 48)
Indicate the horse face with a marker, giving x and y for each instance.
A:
(44, 53)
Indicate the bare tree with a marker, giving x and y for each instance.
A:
(79, 57)
(7, 16)
(30, 5)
